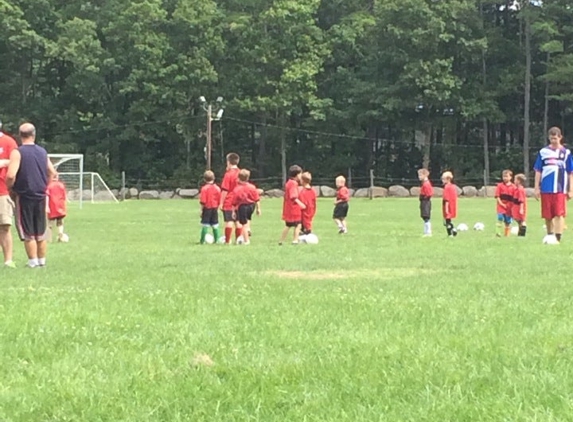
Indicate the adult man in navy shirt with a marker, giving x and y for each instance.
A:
(28, 174)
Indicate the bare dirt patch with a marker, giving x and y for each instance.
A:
(201, 360)
(378, 273)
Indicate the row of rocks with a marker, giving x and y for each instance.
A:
(395, 191)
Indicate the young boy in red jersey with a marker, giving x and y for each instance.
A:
(426, 193)
(227, 186)
(307, 196)
(209, 198)
(292, 206)
(341, 205)
(520, 204)
(245, 199)
(504, 193)
(57, 198)
(449, 203)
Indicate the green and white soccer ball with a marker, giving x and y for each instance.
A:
(64, 238)
(515, 230)
(462, 227)
(209, 239)
(309, 239)
(480, 227)
(550, 239)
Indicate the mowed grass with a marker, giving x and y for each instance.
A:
(132, 321)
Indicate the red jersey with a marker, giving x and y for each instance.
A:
(228, 185)
(56, 193)
(427, 190)
(451, 198)
(343, 194)
(291, 210)
(308, 197)
(7, 145)
(519, 197)
(245, 194)
(210, 196)
(505, 193)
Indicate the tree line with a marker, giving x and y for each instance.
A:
(388, 86)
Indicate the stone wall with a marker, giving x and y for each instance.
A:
(395, 191)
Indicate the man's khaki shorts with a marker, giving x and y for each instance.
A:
(6, 210)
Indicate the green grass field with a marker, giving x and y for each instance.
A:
(132, 321)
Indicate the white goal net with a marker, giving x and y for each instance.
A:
(81, 186)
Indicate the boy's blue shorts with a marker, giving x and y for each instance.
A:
(504, 218)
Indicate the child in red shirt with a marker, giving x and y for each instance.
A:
(57, 207)
(245, 199)
(210, 198)
(449, 203)
(292, 206)
(227, 186)
(519, 207)
(426, 193)
(341, 205)
(504, 193)
(307, 196)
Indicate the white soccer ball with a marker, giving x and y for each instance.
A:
(479, 227)
(221, 240)
(515, 230)
(550, 239)
(462, 227)
(65, 238)
(240, 240)
(209, 239)
(310, 239)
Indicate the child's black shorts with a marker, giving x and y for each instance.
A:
(228, 216)
(425, 208)
(340, 211)
(244, 213)
(210, 217)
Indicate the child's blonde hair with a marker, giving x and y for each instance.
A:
(423, 172)
(209, 176)
(306, 177)
(447, 175)
(244, 175)
(520, 178)
(340, 179)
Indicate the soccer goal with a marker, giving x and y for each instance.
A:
(81, 186)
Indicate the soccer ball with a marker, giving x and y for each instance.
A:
(515, 230)
(65, 238)
(462, 227)
(209, 239)
(479, 227)
(240, 240)
(550, 239)
(221, 240)
(309, 239)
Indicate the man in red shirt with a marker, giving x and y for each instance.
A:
(57, 211)
(426, 193)
(209, 198)
(245, 198)
(504, 193)
(449, 203)
(227, 186)
(519, 208)
(307, 196)
(7, 145)
(292, 206)
(341, 205)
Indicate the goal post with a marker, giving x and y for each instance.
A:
(81, 186)
(70, 168)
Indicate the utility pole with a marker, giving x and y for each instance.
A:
(209, 135)
(208, 107)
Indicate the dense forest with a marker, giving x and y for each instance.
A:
(334, 85)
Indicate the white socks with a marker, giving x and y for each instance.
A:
(428, 228)
(61, 230)
(36, 262)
